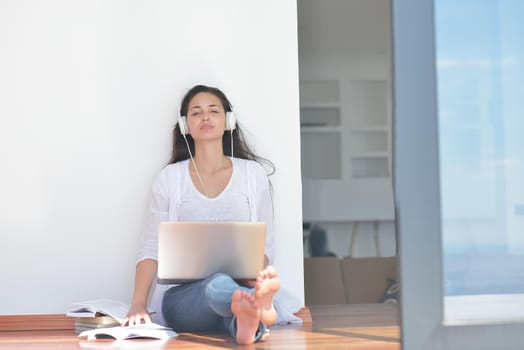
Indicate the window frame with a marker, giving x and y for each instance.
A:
(417, 193)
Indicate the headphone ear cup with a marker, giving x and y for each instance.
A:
(231, 121)
(182, 124)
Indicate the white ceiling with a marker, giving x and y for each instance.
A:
(349, 28)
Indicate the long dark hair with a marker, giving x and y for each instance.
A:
(242, 150)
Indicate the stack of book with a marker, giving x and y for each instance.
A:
(99, 313)
(99, 321)
(103, 318)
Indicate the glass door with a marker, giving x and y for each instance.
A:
(459, 168)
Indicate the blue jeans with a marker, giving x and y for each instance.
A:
(204, 305)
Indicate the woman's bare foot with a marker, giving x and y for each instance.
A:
(266, 286)
(245, 308)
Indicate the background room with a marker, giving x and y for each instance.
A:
(346, 133)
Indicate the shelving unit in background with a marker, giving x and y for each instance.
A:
(369, 129)
(346, 150)
(320, 127)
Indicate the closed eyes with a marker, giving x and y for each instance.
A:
(197, 113)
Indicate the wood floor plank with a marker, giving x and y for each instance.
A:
(332, 327)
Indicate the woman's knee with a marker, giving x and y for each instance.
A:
(220, 279)
(219, 282)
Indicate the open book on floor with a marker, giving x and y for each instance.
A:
(144, 330)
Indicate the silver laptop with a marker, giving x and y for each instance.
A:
(189, 251)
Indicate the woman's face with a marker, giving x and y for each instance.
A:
(206, 117)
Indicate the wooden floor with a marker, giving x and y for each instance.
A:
(374, 326)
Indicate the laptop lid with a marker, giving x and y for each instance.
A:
(190, 251)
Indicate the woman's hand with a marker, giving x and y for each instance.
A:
(137, 314)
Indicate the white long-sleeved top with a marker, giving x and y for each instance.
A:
(246, 197)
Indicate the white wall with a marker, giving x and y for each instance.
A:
(89, 95)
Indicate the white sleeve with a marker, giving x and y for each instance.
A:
(158, 211)
(264, 208)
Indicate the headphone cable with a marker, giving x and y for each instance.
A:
(196, 169)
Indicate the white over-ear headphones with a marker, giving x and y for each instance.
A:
(182, 125)
(231, 123)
